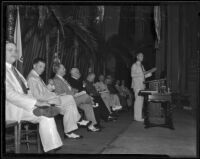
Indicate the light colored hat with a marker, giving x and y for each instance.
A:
(75, 72)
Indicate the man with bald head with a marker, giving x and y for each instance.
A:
(83, 100)
(20, 104)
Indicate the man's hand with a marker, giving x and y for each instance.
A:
(75, 90)
(148, 75)
(42, 103)
(150, 71)
(55, 101)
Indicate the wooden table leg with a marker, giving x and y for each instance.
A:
(146, 112)
(169, 115)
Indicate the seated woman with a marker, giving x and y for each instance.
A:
(121, 94)
(127, 93)
(101, 111)
(111, 100)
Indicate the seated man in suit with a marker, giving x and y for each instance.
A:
(21, 105)
(66, 103)
(83, 100)
(75, 79)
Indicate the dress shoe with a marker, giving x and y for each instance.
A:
(46, 111)
(92, 128)
(95, 105)
(140, 120)
(54, 150)
(83, 123)
(114, 114)
(72, 136)
(116, 108)
(99, 126)
(111, 118)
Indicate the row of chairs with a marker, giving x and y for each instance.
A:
(21, 133)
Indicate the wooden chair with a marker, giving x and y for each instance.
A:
(12, 136)
(29, 134)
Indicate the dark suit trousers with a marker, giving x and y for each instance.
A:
(101, 112)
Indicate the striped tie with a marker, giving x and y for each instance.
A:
(19, 80)
(42, 82)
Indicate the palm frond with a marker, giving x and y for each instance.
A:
(82, 33)
(58, 18)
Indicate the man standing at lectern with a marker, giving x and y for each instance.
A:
(138, 75)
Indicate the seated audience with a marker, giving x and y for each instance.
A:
(101, 108)
(21, 105)
(66, 103)
(83, 100)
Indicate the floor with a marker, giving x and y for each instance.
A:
(180, 142)
(126, 136)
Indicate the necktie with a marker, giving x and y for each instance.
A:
(68, 85)
(19, 80)
(142, 70)
(42, 82)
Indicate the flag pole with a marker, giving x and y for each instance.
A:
(17, 40)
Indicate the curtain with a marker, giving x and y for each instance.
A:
(178, 49)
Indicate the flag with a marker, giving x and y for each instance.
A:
(18, 42)
(157, 21)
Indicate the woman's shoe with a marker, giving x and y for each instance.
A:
(116, 108)
(83, 123)
(93, 129)
(72, 136)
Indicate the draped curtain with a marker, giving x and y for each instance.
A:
(178, 47)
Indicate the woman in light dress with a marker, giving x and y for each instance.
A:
(111, 100)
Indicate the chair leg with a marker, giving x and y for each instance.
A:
(38, 140)
(19, 137)
(27, 137)
(16, 139)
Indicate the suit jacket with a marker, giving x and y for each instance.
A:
(38, 87)
(17, 102)
(77, 84)
(112, 89)
(61, 86)
(138, 77)
(90, 89)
